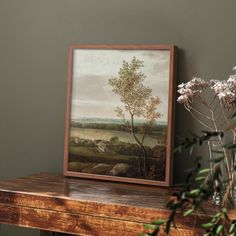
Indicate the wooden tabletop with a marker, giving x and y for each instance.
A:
(87, 207)
(104, 192)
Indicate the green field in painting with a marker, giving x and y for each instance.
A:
(91, 154)
(93, 150)
(95, 134)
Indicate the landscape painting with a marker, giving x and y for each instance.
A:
(119, 113)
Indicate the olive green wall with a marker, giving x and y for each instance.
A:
(34, 38)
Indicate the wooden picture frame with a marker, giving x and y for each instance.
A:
(134, 142)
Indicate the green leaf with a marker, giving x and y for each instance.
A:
(207, 234)
(214, 220)
(232, 228)
(200, 178)
(219, 229)
(217, 215)
(150, 226)
(178, 149)
(207, 225)
(159, 222)
(188, 212)
(191, 150)
(203, 171)
(224, 210)
(194, 192)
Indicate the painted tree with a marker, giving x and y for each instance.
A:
(138, 102)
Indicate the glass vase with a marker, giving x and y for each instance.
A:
(216, 151)
(214, 147)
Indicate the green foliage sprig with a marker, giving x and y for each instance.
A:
(198, 188)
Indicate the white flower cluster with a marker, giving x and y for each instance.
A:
(190, 90)
(226, 90)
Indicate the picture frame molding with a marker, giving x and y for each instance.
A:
(171, 112)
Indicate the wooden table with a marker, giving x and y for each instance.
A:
(53, 203)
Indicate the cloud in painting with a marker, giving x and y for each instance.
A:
(88, 86)
(93, 97)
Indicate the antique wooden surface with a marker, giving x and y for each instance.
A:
(87, 207)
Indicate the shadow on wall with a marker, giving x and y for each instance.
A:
(184, 124)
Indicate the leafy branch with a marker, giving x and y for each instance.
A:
(200, 185)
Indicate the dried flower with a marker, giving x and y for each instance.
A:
(218, 86)
(226, 90)
(190, 90)
(217, 109)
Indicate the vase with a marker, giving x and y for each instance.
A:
(233, 174)
(213, 146)
(216, 147)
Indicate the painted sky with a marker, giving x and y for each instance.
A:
(92, 96)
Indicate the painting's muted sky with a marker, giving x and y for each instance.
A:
(92, 96)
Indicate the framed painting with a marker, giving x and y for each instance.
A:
(120, 110)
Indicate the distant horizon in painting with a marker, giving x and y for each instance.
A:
(119, 113)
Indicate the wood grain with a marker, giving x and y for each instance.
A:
(73, 223)
(88, 207)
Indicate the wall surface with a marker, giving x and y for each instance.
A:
(34, 39)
